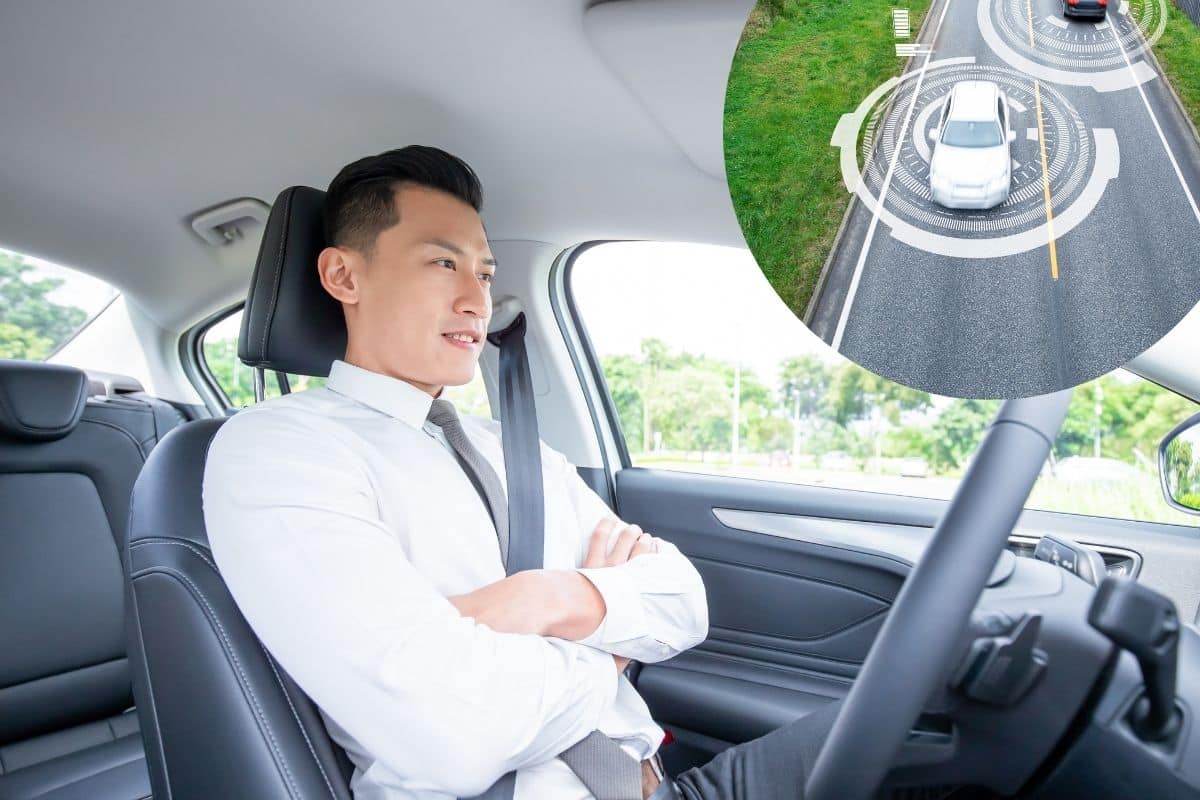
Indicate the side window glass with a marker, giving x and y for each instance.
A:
(219, 345)
(709, 371)
(1000, 115)
(43, 305)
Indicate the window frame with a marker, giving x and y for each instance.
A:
(614, 451)
(191, 357)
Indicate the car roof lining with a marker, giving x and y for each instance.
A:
(126, 130)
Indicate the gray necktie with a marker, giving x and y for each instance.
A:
(482, 476)
(599, 762)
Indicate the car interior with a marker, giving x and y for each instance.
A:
(976, 642)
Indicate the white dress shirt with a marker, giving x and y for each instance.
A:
(341, 525)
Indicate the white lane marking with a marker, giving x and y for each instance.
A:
(1021, 109)
(1061, 23)
(1101, 25)
(1161, 137)
(1123, 10)
(1031, 134)
(848, 303)
(1112, 80)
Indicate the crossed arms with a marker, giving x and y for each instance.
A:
(560, 603)
(413, 680)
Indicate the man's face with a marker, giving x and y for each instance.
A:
(417, 307)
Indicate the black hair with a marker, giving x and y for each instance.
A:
(361, 200)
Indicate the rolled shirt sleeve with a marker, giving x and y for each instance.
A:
(656, 604)
(332, 595)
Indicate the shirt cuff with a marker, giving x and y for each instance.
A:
(624, 617)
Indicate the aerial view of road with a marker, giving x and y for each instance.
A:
(1093, 256)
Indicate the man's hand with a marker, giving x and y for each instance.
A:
(631, 542)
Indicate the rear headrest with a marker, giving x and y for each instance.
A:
(40, 402)
(291, 324)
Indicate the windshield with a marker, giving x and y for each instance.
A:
(970, 133)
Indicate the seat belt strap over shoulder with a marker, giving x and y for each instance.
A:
(596, 760)
(522, 450)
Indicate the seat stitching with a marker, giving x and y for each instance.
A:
(127, 434)
(296, 716)
(143, 668)
(264, 725)
(177, 543)
(287, 206)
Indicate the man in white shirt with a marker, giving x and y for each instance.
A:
(365, 559)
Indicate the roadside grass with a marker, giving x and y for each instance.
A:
(1178, 51)
(792, 77)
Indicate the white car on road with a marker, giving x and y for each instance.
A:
(971, 166)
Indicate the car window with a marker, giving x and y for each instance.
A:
(236, 380)
(972, 133)
(43, 305)
(1000, 112)
(709, 371)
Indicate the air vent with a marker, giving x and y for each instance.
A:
(1117, 561)
(229, 222)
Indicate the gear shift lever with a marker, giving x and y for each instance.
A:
(1144, 622)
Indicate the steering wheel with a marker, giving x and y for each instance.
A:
(932, 610)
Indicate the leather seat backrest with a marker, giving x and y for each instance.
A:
(219, 716)
(67, 467)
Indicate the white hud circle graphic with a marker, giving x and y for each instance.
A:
(1075, 52)
(1080, 163)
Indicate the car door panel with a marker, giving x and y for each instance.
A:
(799, 580)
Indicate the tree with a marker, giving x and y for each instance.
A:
(31, 324)
(957, 430)
(17, 342)
(856, 393)
(237, 380)
(804, 385)
(623, 373)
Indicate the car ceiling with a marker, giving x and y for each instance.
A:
(122, 120)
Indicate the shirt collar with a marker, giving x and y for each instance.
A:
(392, 396)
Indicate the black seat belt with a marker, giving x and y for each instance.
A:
(522, 451)
(526, 506)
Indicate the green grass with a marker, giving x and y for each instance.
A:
(1178, 51)
(793, 76)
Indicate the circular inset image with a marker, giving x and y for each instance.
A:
(981, 199)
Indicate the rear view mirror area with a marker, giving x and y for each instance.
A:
(1179, 465)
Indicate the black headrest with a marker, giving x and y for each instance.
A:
(291, 324)
(40, 402)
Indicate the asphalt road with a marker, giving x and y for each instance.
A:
(1030, 297)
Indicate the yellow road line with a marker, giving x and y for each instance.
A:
(1037, 93)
